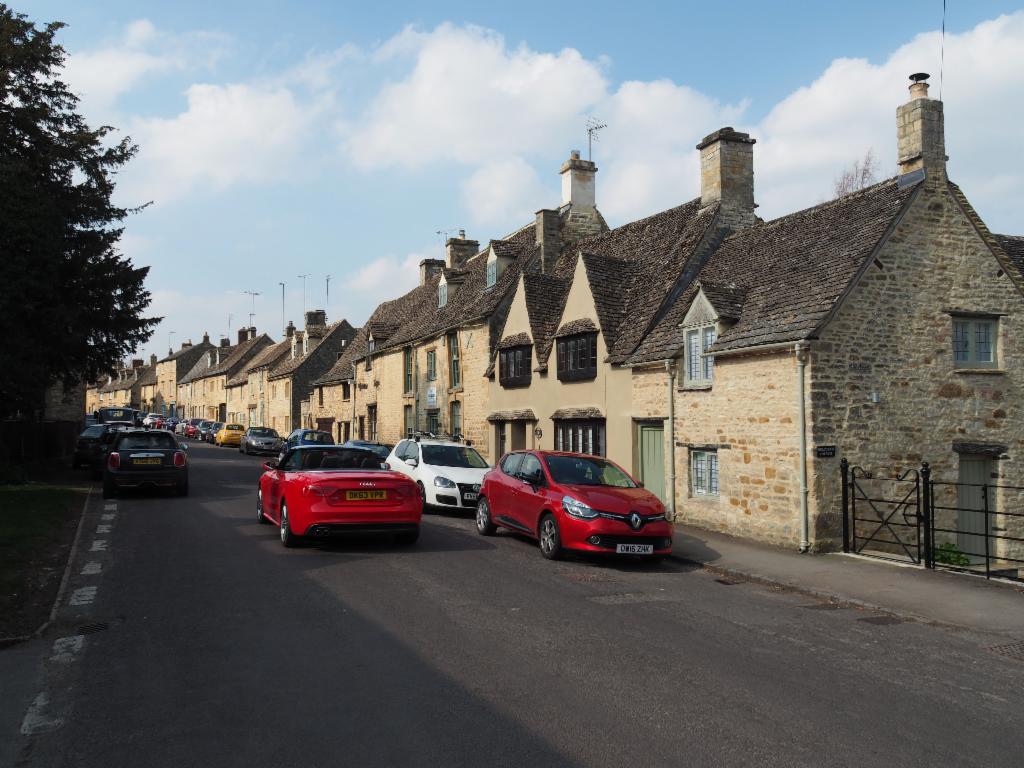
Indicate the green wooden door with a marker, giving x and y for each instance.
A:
(652, 458)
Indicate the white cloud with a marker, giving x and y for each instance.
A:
(505, 191)
(102, 75)
(229, 134)
(469, 98)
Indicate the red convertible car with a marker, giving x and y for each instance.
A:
(319, 491)
(573, 501)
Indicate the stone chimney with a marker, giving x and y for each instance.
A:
(225, 341)
(316, 329)
(243, 334)
(458, 250)
(186, 344)
(727, 176)
(429, 268)
(137, 362)
(548, 232)
(920, 135)
(583, 219)
(152, 360)
(206, 338)
(252, 332)
(289, 330)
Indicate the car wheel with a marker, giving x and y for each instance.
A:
(260, 517)
(423, 493)
(288, 538)
(109, 489)
(550, 539)
(484, 525)
(407, 538)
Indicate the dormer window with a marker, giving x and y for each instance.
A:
(515, 366)
(577, 357)
(492, 272)
(699, 365)
(442, 294)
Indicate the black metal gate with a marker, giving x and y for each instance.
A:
(910, 517)
(883, 516)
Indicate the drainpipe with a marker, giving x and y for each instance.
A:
(800, 348)
(352, 394)
(671, 370)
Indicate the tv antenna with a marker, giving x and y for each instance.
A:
(252, 314)
(327, 298)
(593, 126)
(303, 293)
(443, 234)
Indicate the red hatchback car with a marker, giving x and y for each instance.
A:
(319, 491)
(573, 501)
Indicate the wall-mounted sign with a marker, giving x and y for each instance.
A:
(431, 397)
(538, 433)
(825, 451)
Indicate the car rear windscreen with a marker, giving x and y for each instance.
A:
(162, 440)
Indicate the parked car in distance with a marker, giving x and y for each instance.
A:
(171, 424)
(319, 491)
(192, 428)
(573, 501)
(126, 416)
(181, 427)
(106, 440)
(381, 449)
(90, 419)
(229, 434)
(153, 420)
(88, 446)
(307, 437)
(203, 429)
(260, 440)
(447, 472)
(145, 458)
(211, 432)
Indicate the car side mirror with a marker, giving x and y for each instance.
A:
(412, 462)
(270, 465)
(183, 446)
(383, 465)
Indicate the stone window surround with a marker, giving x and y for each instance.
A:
(709, 479)
(702, 382)
(973, 319)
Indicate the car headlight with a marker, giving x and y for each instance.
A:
(577, 508)
(444, 482)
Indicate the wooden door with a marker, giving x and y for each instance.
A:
(975, 471)
(651, 443)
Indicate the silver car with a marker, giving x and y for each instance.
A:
(260, 440)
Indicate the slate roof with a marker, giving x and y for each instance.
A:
(520, 414)
(577, 413)
(230, 359)
(469, 298)
(116, 384)
(784, 277)
(517, 340)
(342, 369)
(147, 376)
(1013, 245)
(288, 365)
(264, 359)
(571, 328)
(186, 351)
(632, 271)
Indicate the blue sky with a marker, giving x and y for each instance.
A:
(280, 139)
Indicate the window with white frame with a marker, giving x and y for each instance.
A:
(698, 364)
(703, 473)
(974, 341)
(492, 272)
(442, 295)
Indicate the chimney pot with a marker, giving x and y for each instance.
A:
(578, 181)
(920, 132)
(289, 330)
(206, 338)
(459, 250)
(243, 334)
(225, 341)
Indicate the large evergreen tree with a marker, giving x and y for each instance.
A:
(71, 305)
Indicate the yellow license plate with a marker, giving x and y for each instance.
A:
(365, 495)
(146, 461)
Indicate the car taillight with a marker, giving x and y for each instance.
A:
(318, 490)
(179, 458)
(114, 460)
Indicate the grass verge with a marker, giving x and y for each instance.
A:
(37, 527)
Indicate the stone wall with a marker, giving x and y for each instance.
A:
(749, 416)
(892, 341)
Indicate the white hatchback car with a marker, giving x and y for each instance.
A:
(448, 473)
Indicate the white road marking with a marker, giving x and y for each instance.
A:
(83, 596)
(108, 516)
(110, 506)
(98, 545)
(101, 528)
(92, 568)
(66, 648)
(36, 720)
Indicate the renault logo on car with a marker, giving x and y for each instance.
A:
(635, 521)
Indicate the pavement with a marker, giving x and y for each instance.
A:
(190, 637)
(956, 600)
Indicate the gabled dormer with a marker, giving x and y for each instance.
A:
(714, 308)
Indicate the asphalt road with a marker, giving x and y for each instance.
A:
(224, 649)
